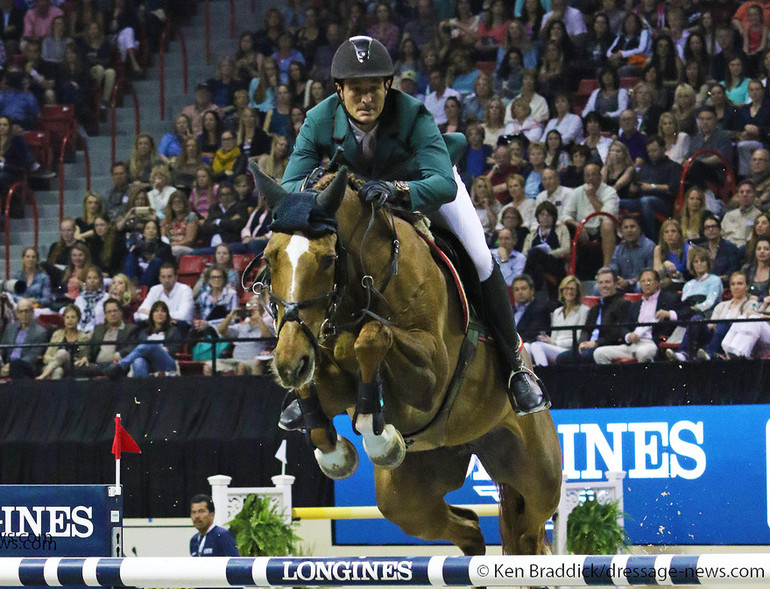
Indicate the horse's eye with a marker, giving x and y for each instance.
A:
(326, 262)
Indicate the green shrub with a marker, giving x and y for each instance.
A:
(260, 530)
(592, 528)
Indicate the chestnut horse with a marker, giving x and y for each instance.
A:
(370, 325)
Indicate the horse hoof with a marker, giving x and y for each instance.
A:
(387, 450)
(341, 462)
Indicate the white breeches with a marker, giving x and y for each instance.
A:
(459, 217)
(126, 40)
(742, 337)
(543, 353)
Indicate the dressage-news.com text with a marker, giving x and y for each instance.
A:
(27, 542)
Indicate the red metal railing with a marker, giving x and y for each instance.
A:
(26, 195)
(729, 184)
(208, 32)
(162, 63)
(65, 142)
(113, 122)
(232, 18)
(573, 255)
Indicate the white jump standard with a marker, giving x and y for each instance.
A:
(440, 571)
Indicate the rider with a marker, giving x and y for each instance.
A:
(391, 138)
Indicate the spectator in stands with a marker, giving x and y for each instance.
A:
(485, 205)
(93, 206)
(531, 313)
(146, 255)
(75, 274)
(655, 306)
(508, 77)
(657, 183)
(107, 247)
(436, 100)
(262, 87)
(647, 112)
(618, 171)
(737, 224)
(631, 47)
(97, 57)
(594, 196)
(631, 137)
(736, 82)
(15, 159)
(532, 17)
(177, 296)
(598, 42)
(755, 122)
(179, 225)
(545, 349)
(475, 103)
(160, 178)
(16, 103)
(547, 248)
(59, 252)
(187, 165)
(694, 76)
(322, 60)
(602, 323)
(122, 290)
(536, 166)
(90, 300)
(594, 140)
(137, 212)
(158, 342)
(572, 177)
(758, 271)
(216, 300)
(223, 259)
(760, 177)
(738, 307)
(385, 30)
(554, 74)
(671, 254)
(53, 45)
(728, 50)
(11, 25)
(225, 83)
(256, 233)
(511, 262)
(727, 115)
(200, 107)
(171, 144)
(73, 86)
(113, 339)
(725, 256)
(423, 28)
(522, 122)
(518, 198)
(454, 118)
(37, 281)
(274, 163)
(143, 158)
(632, 255)
(677, 142)
(226, 157)
(754, 33)
(666, 61)
(494, 122)
(17, 362)
(556, 157)
(204, 191)
(407, 85)
(609, 99)
(299, 84)
(277, 120)
(537, 103)
(117, 197)
(475, 160)
(510, 218)
(572, 18)
(499, 172)
(709, 167)
(225, 220)
(761, 227)
(210, 136)
(564, 121)
(38, 21)
(122, 25)
(554, 193)
(246, 58)
(266, 38)
(248, 357)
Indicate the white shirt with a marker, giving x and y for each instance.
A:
(557, 199)
(435, 105)
(179, 301)
(737, 225)
(578, 206)
(159, 199)
(570, 128)
(573, 20)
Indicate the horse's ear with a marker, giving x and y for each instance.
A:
(331, 198)
(267, 187)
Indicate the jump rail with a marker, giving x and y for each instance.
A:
(441, 571)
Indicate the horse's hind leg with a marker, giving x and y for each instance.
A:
(412, 497)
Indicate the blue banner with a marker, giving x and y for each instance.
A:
(694, 475)
(59, 520)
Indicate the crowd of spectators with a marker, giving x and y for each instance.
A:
(569, 109)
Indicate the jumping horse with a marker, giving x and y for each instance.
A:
(370, 325)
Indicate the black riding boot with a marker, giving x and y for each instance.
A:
(524, 390)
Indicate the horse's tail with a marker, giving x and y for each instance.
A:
(511, 508)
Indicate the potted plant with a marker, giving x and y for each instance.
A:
(593, 528)
(259, 529)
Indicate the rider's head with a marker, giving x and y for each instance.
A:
(363, 72)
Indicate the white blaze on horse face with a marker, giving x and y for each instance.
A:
(298, 245)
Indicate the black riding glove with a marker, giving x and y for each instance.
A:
(379, 192)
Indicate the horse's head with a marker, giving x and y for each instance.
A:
(302, 259)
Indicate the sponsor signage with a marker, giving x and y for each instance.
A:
(694, 475)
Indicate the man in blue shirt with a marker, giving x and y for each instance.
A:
(211, 540)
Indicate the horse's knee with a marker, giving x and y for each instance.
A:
(373, 342)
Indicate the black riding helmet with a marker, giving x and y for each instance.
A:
(361, 57)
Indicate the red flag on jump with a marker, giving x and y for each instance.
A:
(122, 442)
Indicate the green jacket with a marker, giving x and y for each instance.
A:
(409, 147)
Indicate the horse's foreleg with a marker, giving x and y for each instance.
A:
(383, 443)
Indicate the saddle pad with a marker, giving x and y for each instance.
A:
(438, 254)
